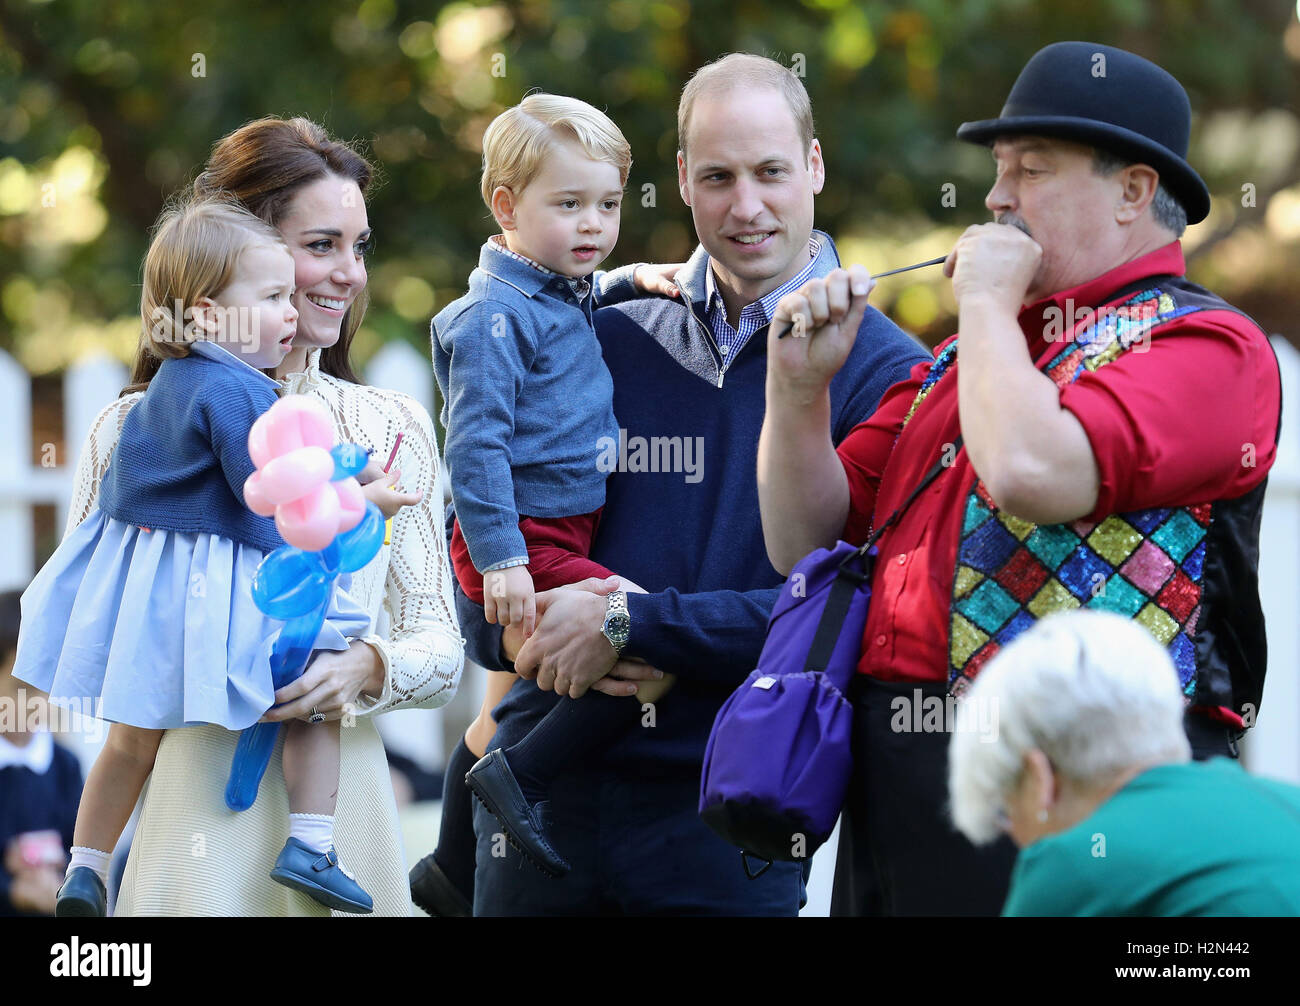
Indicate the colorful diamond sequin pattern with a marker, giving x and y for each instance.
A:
(1114, 331)
(1144, 565)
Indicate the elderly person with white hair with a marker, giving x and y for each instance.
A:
(1090, 773)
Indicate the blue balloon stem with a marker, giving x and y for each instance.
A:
(289, 656)
(287, 577)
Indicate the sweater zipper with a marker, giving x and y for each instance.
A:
(713, 346)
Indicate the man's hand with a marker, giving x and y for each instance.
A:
(997, 262)
(657, 279)
(626, 676)
(508, 598)
(567, 652)
(823, 317)
(1033, 456)
(512, 638)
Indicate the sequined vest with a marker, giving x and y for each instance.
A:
(1188, 574)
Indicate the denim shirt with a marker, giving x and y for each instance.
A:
(527, 400)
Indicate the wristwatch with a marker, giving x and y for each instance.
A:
(618, 622)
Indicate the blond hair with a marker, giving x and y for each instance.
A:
(194, 254)
(745, 71)
(519, 138)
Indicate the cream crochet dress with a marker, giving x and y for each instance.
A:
(193, 856)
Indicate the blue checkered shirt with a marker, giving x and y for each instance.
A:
(752, 316)
(580, 285)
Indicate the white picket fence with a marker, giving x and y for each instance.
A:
(1273, 747)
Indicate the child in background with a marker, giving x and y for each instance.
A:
(40, 784)
(145, 608)
(527, 399)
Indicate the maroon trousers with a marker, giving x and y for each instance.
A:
(557, 553)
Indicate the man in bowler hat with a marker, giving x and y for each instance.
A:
(1104, 436)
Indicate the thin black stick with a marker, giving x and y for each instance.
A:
(891, 272)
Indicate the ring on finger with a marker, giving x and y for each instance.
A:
(316, 716)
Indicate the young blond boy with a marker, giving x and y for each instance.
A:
(528, 399)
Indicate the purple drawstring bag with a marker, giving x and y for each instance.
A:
(778, 760)
(777, 765)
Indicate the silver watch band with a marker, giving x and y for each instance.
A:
(618, 620)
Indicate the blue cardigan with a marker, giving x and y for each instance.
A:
(183, 458)
(695, 543)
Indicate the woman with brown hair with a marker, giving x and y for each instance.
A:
(190, 855)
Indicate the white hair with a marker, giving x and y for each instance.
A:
(1090, 689)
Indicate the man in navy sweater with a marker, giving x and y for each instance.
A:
(681, 518)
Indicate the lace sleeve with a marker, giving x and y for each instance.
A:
(96, 453)
(424, 653)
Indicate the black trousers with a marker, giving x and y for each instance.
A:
(899, 853)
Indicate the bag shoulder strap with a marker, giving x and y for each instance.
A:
(933, 473)
(853, 571)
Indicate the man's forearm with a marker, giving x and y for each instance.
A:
(714, 636)
(1033, 456)
(803, 493)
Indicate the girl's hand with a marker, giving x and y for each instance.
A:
(378, 487)
(657, 279)
(508, 598)
(331, 684)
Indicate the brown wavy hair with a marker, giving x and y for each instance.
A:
(263, 164)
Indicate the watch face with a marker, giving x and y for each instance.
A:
(618, 624)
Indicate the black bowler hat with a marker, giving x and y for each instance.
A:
(1108, 98)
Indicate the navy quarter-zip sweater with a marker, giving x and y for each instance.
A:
(692, 536)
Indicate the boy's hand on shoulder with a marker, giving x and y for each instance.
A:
(657, 279)
(508, 598)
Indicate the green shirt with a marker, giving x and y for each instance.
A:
(1198, 838)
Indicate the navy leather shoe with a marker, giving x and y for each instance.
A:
(525, 825)
(82, 895)
(435, 893)
(319, 876)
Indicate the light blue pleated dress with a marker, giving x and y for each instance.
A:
(158, 628)
(159, 625)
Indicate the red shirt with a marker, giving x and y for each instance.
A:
(1167, 426)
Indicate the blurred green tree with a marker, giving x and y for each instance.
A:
(107, 107)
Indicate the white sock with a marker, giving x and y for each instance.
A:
(316, 831)
(93, 858)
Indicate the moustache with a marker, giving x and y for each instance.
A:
(1011, 220)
